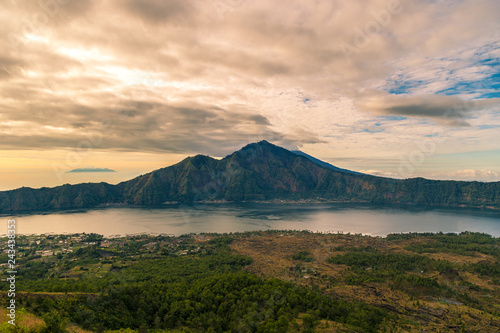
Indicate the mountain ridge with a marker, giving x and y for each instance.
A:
(323, 163)
(257, 172)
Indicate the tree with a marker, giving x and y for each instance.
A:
(54, 323)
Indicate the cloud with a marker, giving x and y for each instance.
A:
(195, 76)
(9, 67)
(379, 173)
(157, 11)
(470, 175)
(463, 175)
(146, 126)
(449, 110)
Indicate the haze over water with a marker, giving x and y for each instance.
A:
(251, 216)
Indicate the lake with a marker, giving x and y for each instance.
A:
(220, 218)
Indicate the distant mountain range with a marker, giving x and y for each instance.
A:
(258, 172)
(86, 170)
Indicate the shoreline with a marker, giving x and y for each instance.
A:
(283, 202)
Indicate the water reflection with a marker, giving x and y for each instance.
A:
(251, 216)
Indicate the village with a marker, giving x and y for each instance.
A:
(83, 254)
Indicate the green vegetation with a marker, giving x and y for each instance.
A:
(377, 267)
(303, 256)
(467, 244)
(204, 291)
(211, 283)
(464, 244)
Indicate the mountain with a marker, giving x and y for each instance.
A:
(91, 170)
(322, 163)
(259, 171)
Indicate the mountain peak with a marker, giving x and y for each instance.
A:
(262, 143)
(262, 147)
(259, 171)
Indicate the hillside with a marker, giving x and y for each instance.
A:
(258, 172)
(262, 281)
(322, 163)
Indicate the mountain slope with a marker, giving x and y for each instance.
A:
(323, 164)
(259, 171)
(60, 197)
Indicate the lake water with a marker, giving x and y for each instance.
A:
(251, 216)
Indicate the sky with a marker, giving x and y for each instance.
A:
(392, 88)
